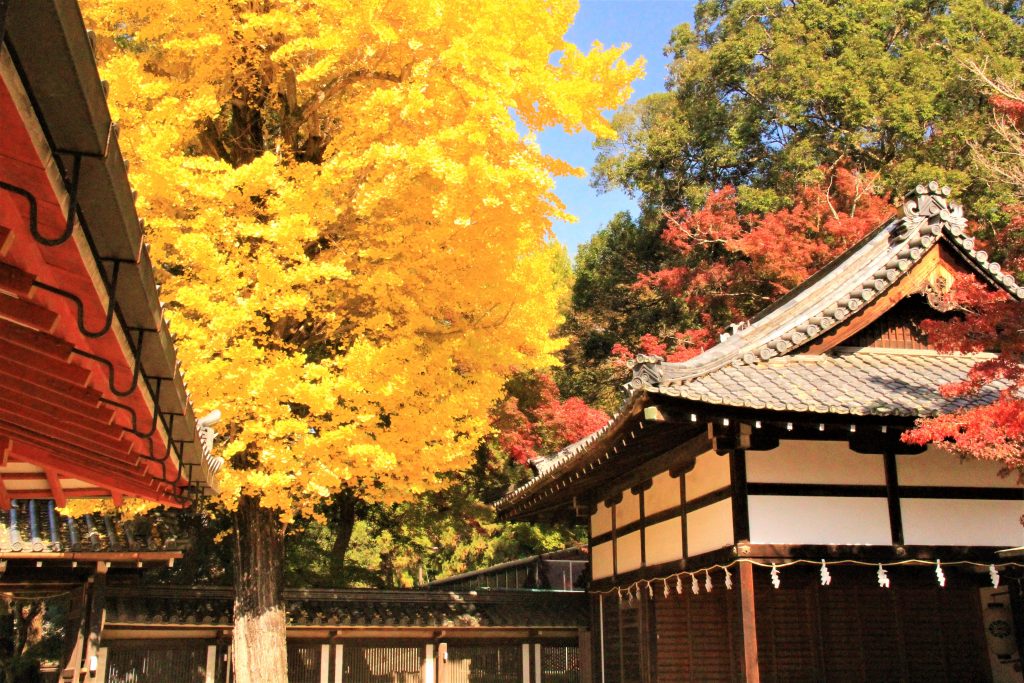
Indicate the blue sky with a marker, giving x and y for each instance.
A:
(645, 25)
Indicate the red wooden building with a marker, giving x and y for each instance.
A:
(92, 399)
(754, 514)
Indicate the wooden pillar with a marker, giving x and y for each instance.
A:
(97, 615)
(600, 634)
(892, 493)
(526, 663)
(101, 674)
(76, 635)
(646, 637)
(325, 663)
(748, 617)
(339, 664)
(740, 513)
(211, 664)
(429, 670)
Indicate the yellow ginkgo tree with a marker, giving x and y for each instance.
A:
(351, 221)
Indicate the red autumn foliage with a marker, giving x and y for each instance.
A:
(992, 321)
(991, 432)
(729, 264)
(543, 422)
(684, 346)
(1010, 108)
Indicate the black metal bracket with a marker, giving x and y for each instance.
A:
(110, 284)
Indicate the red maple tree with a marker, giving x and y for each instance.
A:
(728, 263)
(541, 422)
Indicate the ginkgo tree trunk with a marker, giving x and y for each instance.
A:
(352, 233)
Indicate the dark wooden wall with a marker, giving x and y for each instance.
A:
(852, 630)
(855, 631)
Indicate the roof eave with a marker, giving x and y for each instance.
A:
(53, 54)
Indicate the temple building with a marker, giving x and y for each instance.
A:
(754, 514)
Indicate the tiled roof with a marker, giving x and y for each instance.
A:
(854, 279)
(33, 526)
(865, 382)
(759, 364)
(359, 608)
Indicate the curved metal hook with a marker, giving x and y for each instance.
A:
(108, 318)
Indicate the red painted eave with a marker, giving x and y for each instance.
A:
(61, 411)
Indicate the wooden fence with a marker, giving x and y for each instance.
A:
(200, 661)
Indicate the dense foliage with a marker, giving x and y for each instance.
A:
(350, 231)
(764, 94)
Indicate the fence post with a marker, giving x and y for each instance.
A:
(211, 664)
(429, 673)
(442, 663)
(325, 663)
(538, 664)
(584, 656)
(339, 662)
(101, 671)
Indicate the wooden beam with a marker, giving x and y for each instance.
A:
(748, 617)
(14, 280)
(5, 498)
(55, 487)
(27, 313)
(136, 482)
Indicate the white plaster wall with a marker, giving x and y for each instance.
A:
(819, 520)
(628, 554)
(601, 520)
(932, 521)
(710, 473)
(627, 510)
(814, 462)
(710, 527)
(663, 494)
(664, 541)
(936, 467)
(601, 560)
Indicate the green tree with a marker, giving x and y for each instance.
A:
(767, 95)
(607, 308)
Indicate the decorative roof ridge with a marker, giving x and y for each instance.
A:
(928, 216)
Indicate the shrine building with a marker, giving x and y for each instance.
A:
(755, 515)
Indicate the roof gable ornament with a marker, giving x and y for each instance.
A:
(645, 371)
(930, 204)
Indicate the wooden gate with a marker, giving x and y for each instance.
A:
(161, 661)
(384, 663)
(483, 663)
